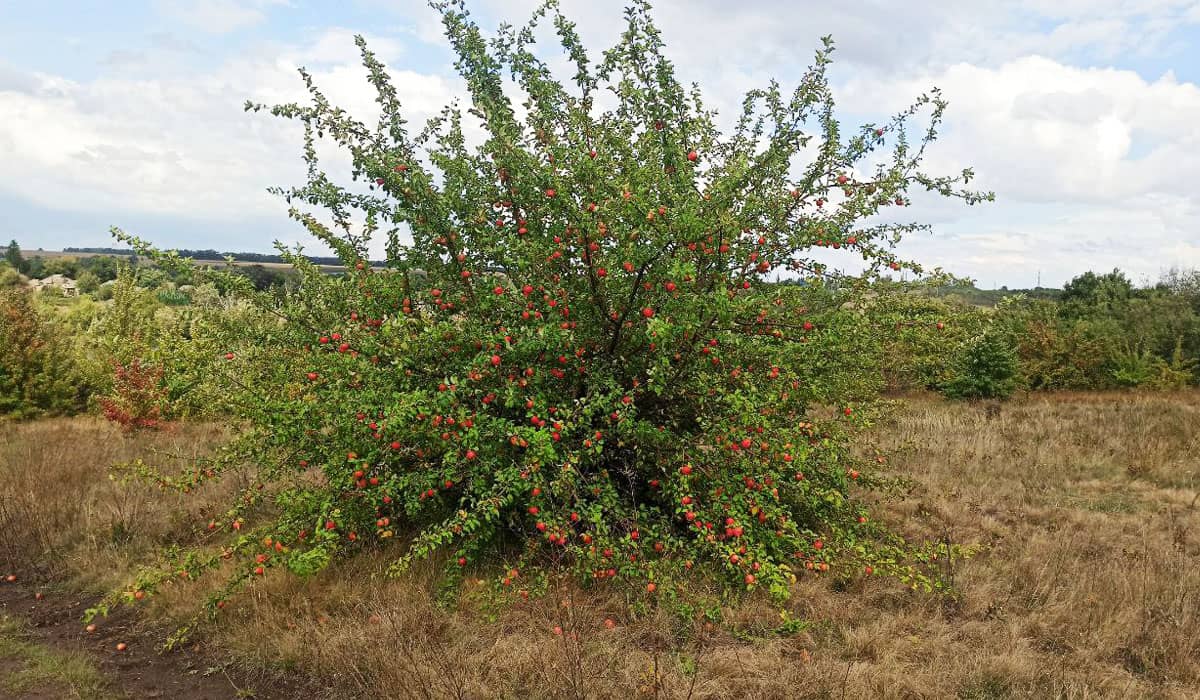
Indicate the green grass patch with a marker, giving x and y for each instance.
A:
(29, 667)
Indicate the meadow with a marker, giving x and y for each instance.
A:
(1085, 508)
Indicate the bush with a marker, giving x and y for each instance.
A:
(9, 277)
(37, 375)
(1056, 354)
(985, 367)
(137, 397)
(916, 326)
(578, 364)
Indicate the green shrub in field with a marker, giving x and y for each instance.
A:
(9, 276)
(1053, 353)
(1139, 367)
(915, 328)
(575, 360)
(37, 375)
(985, 367)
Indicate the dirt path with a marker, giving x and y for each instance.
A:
(45, 652)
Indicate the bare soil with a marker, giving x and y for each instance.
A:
(143, 669)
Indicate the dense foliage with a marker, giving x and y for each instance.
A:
(578, 363)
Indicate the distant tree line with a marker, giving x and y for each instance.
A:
(209, 254)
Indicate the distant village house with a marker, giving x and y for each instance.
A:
(65, 284)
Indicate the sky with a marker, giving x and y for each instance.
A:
(1083, 116)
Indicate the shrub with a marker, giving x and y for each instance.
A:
(578, 363)
(1053, 353)
(137, 397)
(37, 375)
(985, 367)
(916, 326)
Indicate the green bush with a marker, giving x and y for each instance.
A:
(579, 363)
(37, 374)
(985, 367)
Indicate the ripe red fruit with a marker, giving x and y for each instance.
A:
(228, 356)
(312, 376)
(609, 623)
(122, 646)
(650, 587)
(685, 469)
(533, 510)
(527, 290)
(670, 286)
(940, 325)
(259, 571)
(462, 561)
(648, 312)
(749, 579)
(495, 360)
(842, 179)
(470, 454)
(808, 326)
(692, 156)
(498, 290)
(550, 193)
(329, 525)
(541, 526)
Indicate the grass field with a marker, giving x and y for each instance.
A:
(1087, 507)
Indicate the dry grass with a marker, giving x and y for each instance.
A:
(1089, 586)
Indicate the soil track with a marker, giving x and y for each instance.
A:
(143, 669)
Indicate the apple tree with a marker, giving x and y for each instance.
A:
(578, 355)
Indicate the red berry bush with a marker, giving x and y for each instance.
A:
(578, 355)
(137, 396)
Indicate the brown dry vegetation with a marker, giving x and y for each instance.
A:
(1088, 587)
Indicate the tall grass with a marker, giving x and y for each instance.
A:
(1088, 586)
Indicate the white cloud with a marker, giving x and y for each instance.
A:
(182, 148)
(1100, 162)
(216, 16)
